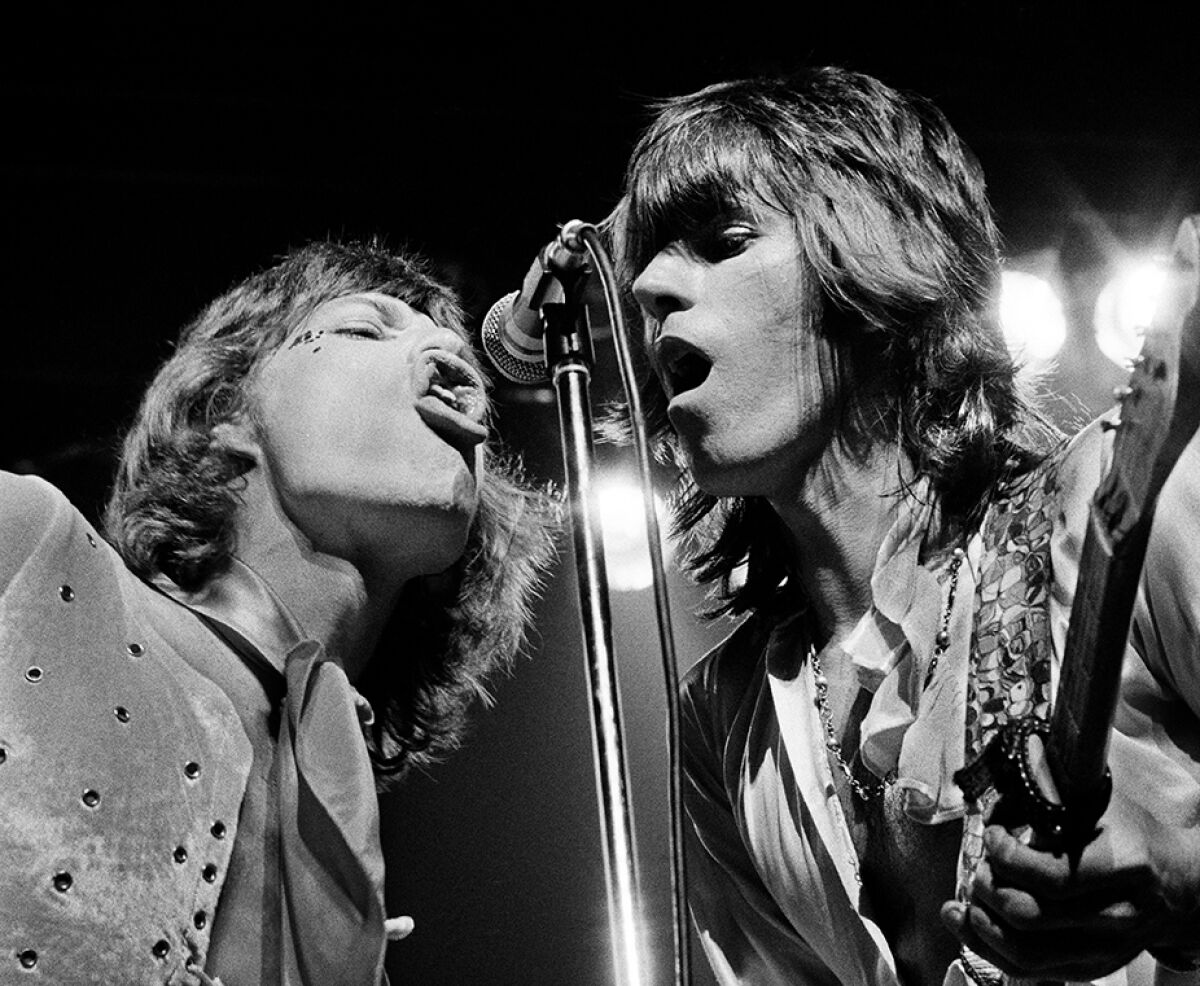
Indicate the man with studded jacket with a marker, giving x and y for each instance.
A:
(310, 562)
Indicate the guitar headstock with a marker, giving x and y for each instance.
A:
(1159, 408)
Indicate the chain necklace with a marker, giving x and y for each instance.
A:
(942, 640)
(821, 685)
(832, 744)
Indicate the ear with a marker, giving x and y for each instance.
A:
(239, 437)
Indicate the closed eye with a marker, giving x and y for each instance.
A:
(360, 331)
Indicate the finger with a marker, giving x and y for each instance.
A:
(1050, 876)
(971, 926)
(1042, 874)
(954, 917)
(1071, 956)
(1011, 906)
(1097, 913)
(398, 927)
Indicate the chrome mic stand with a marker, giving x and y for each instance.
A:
(569, 360)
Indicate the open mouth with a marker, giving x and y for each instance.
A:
(681, 367)
(452, 402)
(455, 383)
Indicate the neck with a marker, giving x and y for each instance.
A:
(328, 597)
(837, 517)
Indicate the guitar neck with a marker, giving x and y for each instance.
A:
(1159, 414)
(1086, 700)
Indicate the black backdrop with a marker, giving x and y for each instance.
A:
(150, 164)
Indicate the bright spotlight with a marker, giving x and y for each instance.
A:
(1031, 316)
(623, 519)
(1124, 309)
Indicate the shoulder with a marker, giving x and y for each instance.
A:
(32, 514)
(714, 687)
(29, 505)
(1088, 457)
(713, 694)
(1084, 460)
(112, 740)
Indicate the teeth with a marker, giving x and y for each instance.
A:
(445, 394)
(455, 384)
(462, 398)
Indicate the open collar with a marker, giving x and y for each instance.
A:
(913, 729)
(244, 611)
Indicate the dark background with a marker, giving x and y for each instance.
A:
(150, 165)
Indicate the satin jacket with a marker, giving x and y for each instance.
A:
(122, 768)
(125, 758)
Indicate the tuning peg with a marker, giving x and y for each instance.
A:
(1121, 394)
(1110, 424)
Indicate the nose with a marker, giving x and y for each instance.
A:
(669, 283)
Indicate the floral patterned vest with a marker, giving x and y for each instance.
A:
(1011, 647)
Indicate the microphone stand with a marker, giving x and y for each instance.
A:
(569, 360)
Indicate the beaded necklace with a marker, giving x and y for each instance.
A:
(821, 686)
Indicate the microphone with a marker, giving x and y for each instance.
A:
(513, 332)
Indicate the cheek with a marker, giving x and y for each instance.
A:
(307, 417)
(298, 415)
(803, 349)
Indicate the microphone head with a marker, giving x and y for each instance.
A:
(515, 363)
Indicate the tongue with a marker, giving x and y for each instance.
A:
(453, 426)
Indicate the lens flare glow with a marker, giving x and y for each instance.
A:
(1124, 309)
(1031, 316)
(623, 520)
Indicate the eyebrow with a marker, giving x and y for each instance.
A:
(389, 313)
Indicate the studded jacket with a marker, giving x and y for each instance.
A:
(122, 768)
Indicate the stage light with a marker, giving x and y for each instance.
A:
(1031, 316)
(1124, 308)
(623, 520)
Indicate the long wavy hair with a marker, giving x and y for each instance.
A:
(172, 509)
(902, 261)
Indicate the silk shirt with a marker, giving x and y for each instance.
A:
(773, 874)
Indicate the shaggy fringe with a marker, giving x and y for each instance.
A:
(896, 231)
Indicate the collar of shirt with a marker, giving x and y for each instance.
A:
(913, 729)
(242, 608)
(331, 863)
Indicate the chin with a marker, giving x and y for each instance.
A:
(771, 474)
(443, 532)
(423, 538)
(436, 491)
(718, 480)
